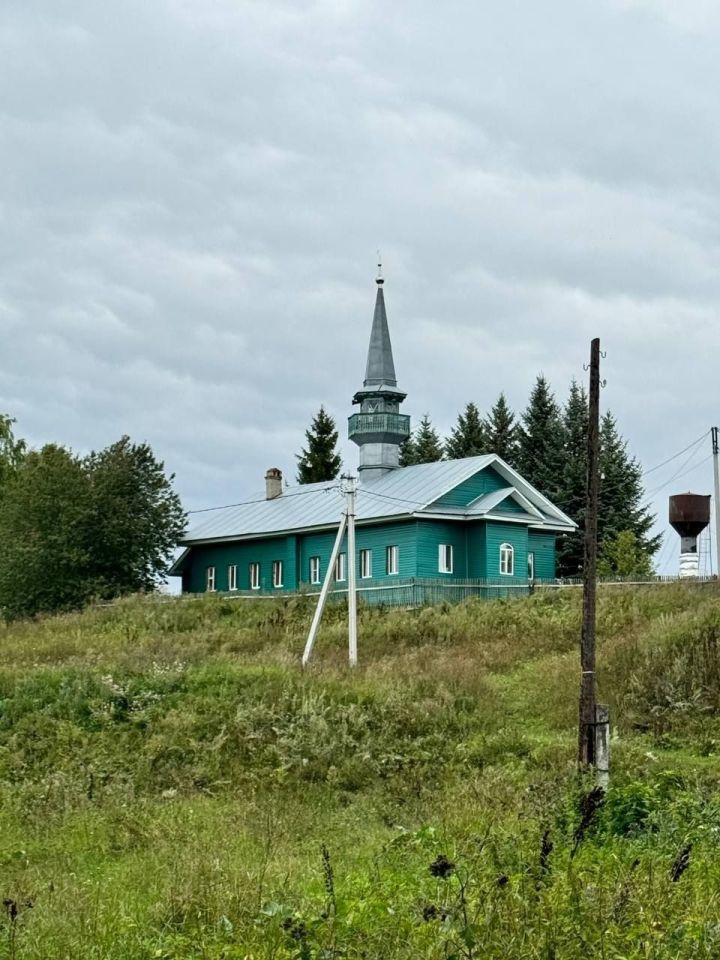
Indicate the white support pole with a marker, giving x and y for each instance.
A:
(352, 580)
(717, 498)
(329, 573)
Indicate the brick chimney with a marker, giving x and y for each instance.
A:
(273, 483)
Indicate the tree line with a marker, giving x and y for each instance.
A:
(547, 445)
(75, 528)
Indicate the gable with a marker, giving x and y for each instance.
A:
(485, 481)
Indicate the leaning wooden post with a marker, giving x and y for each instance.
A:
(586, 731)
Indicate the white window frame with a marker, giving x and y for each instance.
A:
(446, 558)
(254, 575)
(314, 569)
(232, 576)
(365, 564)
(507, 568)
(210, 580)
(277, 573)
(392, 560)
(341, 568)
(531, 565)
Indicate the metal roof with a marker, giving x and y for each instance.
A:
(408, 491)
(380, 367)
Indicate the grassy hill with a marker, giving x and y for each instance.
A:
(174, 785)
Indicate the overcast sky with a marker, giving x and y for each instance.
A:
(192, 193)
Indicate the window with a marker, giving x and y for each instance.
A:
(314, 569)
(277, 573)
(254, 576)
(392, 555)
(445, 558)
(210, 583)
(340, 567)
(507, 560)
(531, 566)
(365, 564)
(232, 577)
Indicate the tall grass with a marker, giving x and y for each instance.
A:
(170, 778)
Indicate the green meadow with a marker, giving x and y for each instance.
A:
(173, 785)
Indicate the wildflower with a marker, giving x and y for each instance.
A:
(442, 867)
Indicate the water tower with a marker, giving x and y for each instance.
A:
(689, 515)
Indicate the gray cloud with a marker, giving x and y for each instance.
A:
(191, 195)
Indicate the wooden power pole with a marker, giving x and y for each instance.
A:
(586, 732)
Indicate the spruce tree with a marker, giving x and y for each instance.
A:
(408, 452)
(621, 506)
(319, 460)
(571, 499)
(427, 445)
(541, 455)
(467, 438)
(501, 431)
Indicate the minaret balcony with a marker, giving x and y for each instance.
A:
(378, 427)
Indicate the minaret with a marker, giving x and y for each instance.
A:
(379, 428)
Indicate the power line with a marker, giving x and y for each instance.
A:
(247, 503)
(676, 455)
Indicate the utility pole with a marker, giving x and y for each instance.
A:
(586, 732)
(351, 489)
(346, 524)
(717, 498)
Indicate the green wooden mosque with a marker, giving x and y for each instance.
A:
(428, 532)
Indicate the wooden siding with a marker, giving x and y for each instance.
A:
(509, 505)
(485, 481)
(242, 554)
(543, 546)
(430, 534)
(374, 537)
(476, 549)
(515, 534)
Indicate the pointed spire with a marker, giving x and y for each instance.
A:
(380, 366)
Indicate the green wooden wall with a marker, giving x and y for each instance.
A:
(476, 547)
(375, 537)
(243, 554)
(430, 534)
(543, 546)
(486, 481)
